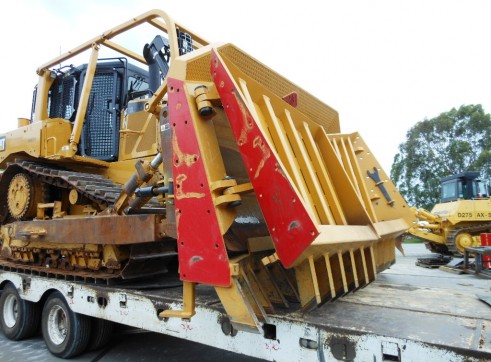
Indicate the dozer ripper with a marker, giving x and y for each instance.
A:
(455, 223)
(193, 158)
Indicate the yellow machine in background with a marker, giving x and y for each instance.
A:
(209, 164)
(458, 220)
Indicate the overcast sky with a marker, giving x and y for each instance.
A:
(383, 65)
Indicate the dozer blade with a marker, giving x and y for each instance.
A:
(310, 207)
(331, 211)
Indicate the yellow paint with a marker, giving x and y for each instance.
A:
(182, 158)
(258, 142)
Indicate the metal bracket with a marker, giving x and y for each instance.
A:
(206, 97)
(380, 184)
(188, 303)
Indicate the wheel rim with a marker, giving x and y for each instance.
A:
(462, 241)
(10, 311)
(19, 195)
(57, 325)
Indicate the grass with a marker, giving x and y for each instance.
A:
(412, 240)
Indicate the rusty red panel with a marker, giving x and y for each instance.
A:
(289, 223)
(110, 229)
(202, 254)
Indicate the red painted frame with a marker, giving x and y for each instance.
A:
(290, 225)
(201, 248)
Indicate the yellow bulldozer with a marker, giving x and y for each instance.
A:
(194, 159)
(458, 220)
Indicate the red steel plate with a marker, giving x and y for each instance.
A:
(202, 254)
(289, 223)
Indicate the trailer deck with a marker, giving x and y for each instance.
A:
(408, 314)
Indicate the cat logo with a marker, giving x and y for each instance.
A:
(2, 143)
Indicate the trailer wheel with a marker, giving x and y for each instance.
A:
(19, 318)
(65, 332)
(102, 331)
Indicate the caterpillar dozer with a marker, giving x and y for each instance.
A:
(193, 159)
(455, 223)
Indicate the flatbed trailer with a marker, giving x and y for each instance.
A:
(407, 314)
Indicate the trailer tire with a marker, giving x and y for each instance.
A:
(66, 333)
(102, 331)
(19, 318)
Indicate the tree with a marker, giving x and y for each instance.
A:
(454, 142)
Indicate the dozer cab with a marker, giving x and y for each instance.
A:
(193, 158)
(458, 220)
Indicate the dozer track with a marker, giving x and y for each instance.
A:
(472, 230)
(103, 192)
(96, 188)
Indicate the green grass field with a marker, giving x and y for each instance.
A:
(412, 240)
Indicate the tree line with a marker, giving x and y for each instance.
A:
(455, 141)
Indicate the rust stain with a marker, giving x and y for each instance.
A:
(187, 159)
(258, 142)
(180, 194)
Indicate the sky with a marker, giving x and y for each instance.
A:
(383, 65)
